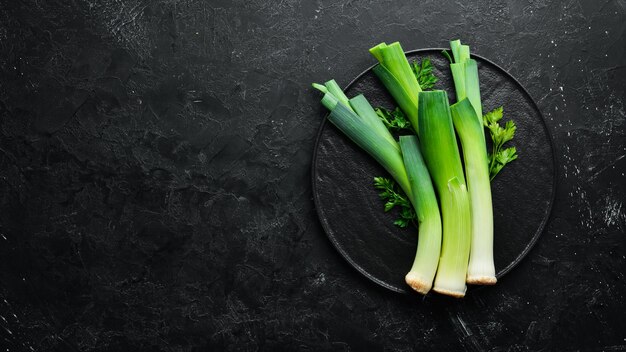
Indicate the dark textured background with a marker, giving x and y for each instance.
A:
(155, 191)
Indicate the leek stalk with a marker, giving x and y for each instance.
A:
(365, 129)
(465, 76)
(481, 268)
(422, 273)
(441, 153)
(358, 121)
(394, 71)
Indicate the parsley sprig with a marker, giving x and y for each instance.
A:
(499, 157)
(424, 73)
(394, 197)
(395, 120)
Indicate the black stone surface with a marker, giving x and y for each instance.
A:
(350, 209)
(155, 180)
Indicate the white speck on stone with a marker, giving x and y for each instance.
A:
(319, 280)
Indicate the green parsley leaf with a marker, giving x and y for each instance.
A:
(424, 73)
(509, 131)
(507, 155)
(493, 117)
(395, 120)
(394, 197)
(499, 157)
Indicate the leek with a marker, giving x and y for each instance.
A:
(386, 154)
(481, 269)
(362, 107)
(420, 278)
(466, 84)
(465, 76)
(365, 130)
(395, 72)
(441, 153)
(359, 121)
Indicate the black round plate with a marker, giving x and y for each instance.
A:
(352, 214)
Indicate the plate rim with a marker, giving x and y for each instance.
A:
(517, 259)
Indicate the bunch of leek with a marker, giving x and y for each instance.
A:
(429, 114)
(458, 249)
(358, 121)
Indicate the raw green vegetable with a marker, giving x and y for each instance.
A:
(466, 84)
(366, 130)
(393, 197)
(392, 57)
(363, 109)
(396, 74)
(455, 244)
(480, 168)
(499, 157)
(424, 74)
(336, 91)
(420, 278)
(377, 142)
(441, 153)
(359, 122)
(395, 121)
(481, 268)
(465, 75)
